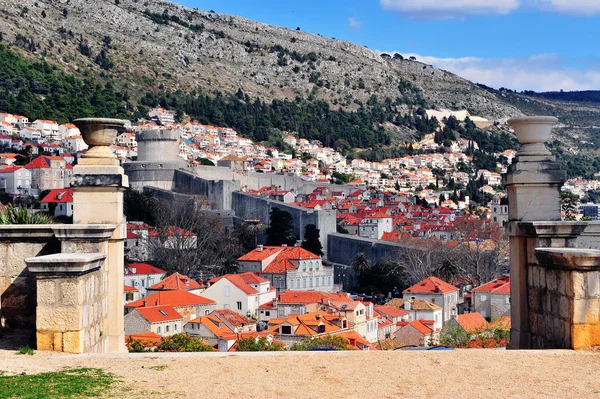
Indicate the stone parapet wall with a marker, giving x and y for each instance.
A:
(72, 313)
(563, 287)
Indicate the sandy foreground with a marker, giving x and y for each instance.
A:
(401, 374)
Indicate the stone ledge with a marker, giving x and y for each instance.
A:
(552, 229)
(84, 232)
(62, 264)
(26, 232)
(569, 258)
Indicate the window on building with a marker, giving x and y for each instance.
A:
(310, 282)
(297, 283)
(226, 306)
(304, 283)
(286, 330)
(267, 313)
(432, 300)
(239, 305)
(226, 291)
(129, 296)
(329, 280)
(158, 330)
(175, 327)
(483, 297)
(291, 284)
(143, 283)
(206, 312)
(193, 326)
(321, 328)
(167, 328)
(316, 281)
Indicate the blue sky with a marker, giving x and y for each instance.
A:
(520, 44)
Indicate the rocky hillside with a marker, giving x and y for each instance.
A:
(152, 43)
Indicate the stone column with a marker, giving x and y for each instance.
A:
(71, 313)
(98, 185)
(533, 185)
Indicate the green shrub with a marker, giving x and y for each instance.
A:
(183, 343)
(26, 350)
(18, 215)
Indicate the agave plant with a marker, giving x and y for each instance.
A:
(19, 215)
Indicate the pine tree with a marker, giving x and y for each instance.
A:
(312, 242)
(281, 229)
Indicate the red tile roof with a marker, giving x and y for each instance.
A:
(472, 322)
(214, 325)
(128, 288)
(499, 286)
(59, 195)
(420, 327)
(238, 281)
(43, 162)
(146, 339)
(176, 282)
(431, 285)
(233, 318)
(142, 268)
(174, 298)
(390, 311)
(157, 314)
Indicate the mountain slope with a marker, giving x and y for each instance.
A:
(154, 43)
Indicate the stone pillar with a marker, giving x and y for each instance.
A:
(71, 312)
(564, 298)
(533, 185)
(98, 185)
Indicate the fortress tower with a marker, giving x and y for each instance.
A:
(158, 157)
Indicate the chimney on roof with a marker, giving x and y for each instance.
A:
(275, 302)
(259, 248)
(318, 316)
(144, 304)
(298, 243)
(284, 245)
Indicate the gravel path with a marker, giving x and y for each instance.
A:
(402, 374)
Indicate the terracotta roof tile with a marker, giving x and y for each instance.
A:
(157, 314)
(175, 282)
(142, 268)
(472, 322)
(174, 298)
(431, 285)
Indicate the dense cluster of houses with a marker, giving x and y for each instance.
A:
(247, 305)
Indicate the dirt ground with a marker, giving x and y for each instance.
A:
(402, 374)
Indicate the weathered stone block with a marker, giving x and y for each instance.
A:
(585, 336)
(578, 285)
(46, 292)
(586, 311)
(564, 308)
(551, 282)
(72, 291)
(58, 342)
(44, 340)
(58, 318)
(73, 342)
(593, 284)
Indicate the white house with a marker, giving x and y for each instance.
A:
(74, 144)
(49, 129)
(142, 276)
(375, 224)
(61, 200)
(68, 130)
(436, 291)
(289, 268)
(15, 180)
(243, 293)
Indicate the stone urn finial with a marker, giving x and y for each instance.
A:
(532, 132)
(99, 134)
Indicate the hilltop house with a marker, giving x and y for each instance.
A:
(176, 281)
(187, 305)
(15, 180)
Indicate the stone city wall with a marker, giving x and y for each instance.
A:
(247, 206)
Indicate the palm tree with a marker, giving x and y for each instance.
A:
(228, 266)
(361, 263)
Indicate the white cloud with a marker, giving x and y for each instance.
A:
(573, 7)
(543, 72)
(354, 23)
(445, 9)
